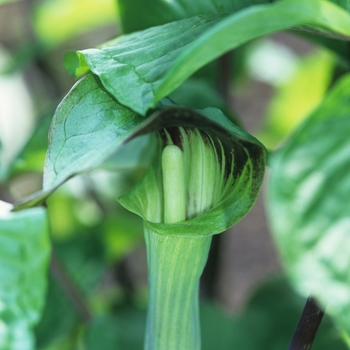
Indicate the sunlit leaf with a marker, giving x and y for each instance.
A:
(308, 205)
(59, 20)
(130, 67)
(140, 69)
(157, 12)
(88, 127)
(24, 257)
(296, 98)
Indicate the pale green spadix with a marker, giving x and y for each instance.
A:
(173, 184)
(202, 182)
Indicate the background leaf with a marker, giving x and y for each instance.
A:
(59, 20)
(158, 12)
(296, 98)
(24, 257)
(142, 68)
(308, 205)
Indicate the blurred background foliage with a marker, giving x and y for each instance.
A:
(97, 285)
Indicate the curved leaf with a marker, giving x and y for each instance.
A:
(308, 205)
(232, 203)
(24, 257)
(130, 66)
(88, 127)
(158, 12)
(140, 69)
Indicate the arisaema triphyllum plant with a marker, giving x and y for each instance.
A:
(204, 176)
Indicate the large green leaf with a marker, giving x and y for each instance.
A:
(24, 257)
(296, 98)
(309, 205)
(57, 21)
(158, 12)
(88, 127)
(140, 69)
(130, 66)
(138, 14)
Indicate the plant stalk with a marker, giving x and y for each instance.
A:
(175, 265)
(307, 327)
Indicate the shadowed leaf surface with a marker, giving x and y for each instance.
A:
(24, 257)
(308, 205)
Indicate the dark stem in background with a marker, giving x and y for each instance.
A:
(307, 327)
(69, 288)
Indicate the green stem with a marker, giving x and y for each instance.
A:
(175, 265)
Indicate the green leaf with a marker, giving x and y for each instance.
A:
(24, 257)
(308, 205)
(140, 69)
(296, 98)
(241, 150)
(158, 12)
(57, 21)
(88, 127)
(32, 155)
(131, 66)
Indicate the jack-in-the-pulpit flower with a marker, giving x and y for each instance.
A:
(205, 177)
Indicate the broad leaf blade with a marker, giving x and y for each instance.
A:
(88, 127)
(24, 256)
(140, 69)
(158, 12)
(308, 205)
(131, 66)
(250, 24)
(89, 130)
